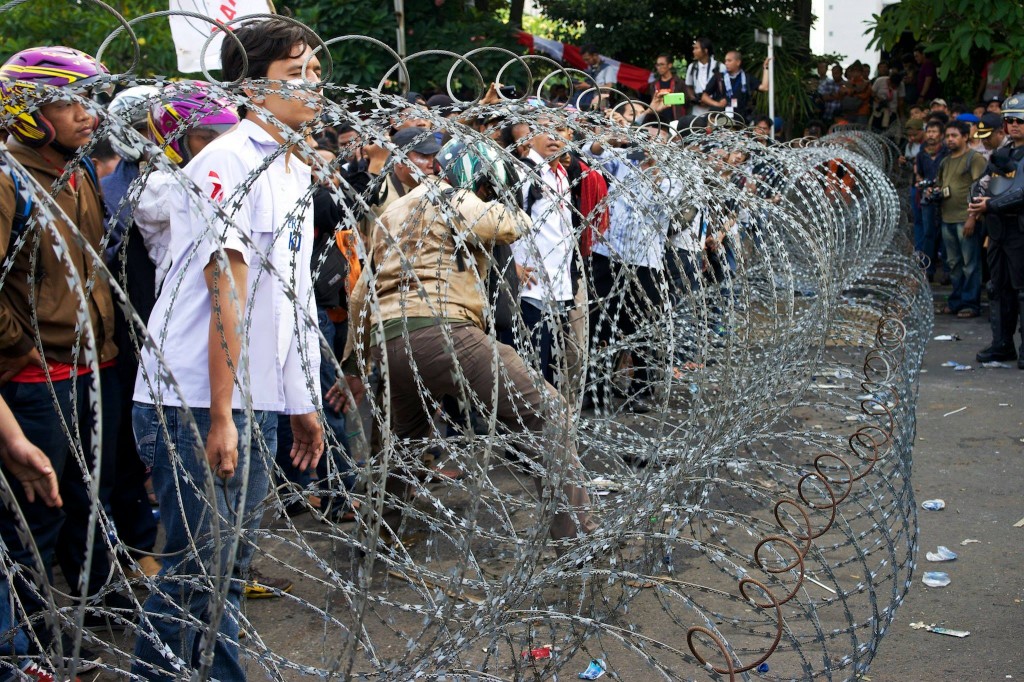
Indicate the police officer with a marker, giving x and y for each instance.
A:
(1003, 202)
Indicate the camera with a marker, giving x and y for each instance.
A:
(929, 192)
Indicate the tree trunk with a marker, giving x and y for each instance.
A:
(802, 16)
(515, 13)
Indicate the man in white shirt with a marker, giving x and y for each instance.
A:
(701, 73)
(628, 264)
(233, 344)
(544, 256)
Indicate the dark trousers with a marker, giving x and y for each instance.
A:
(61, 533)
(548, 335)
(627, 298)
(337, 474)
(1006, 283)
(129, 503)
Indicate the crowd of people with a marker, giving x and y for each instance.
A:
(952, 150)
(272, 283)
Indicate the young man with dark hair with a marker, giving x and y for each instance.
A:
(927, 78)
(666, 83)
(700, 74)
(957, 172)
(57, 349)
(926, 170)
(220, 297)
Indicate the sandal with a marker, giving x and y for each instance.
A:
(967, 313)
(946, 310)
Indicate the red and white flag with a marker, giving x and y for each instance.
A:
(615, 72)
(190, 34)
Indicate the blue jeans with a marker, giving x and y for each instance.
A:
(60, 533)
(13, 640)
(927, 241)
(915, 215)
(963, 258)
(183, 606)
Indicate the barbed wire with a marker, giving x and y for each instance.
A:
(760, 512)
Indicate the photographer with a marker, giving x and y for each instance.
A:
(926, 170)
(961, 168)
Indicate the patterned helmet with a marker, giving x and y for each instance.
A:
(1013, 107)
(468, 166)
(188, 107)
(132, 107)
(53, 66)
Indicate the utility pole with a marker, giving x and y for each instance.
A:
(772, 41)
(400, 43)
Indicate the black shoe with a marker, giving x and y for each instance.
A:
(1020, 362)
(114, 612)
(997, 353)
(88, 660)
(638, 405)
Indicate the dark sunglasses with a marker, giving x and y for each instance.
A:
(1014, 121)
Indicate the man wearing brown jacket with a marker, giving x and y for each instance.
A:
(429, 329)
(56, 324)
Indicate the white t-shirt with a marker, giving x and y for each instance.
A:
(639, 220)
(881, 89)
(153, 218)
(548, 247)
(697, 77)
(271, 224)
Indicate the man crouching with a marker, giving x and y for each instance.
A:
(431, 258)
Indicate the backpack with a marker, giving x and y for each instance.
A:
(25, 205)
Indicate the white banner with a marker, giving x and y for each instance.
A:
(190, 34)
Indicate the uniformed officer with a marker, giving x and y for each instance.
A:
(1003, 202)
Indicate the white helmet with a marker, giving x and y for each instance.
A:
(131, 106)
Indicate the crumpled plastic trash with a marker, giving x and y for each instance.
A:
(952, 633)
(941, 554)
(595, 670)
(995, 365)
(946, 337)
(934, 505)
(936, 579)
(962, 368)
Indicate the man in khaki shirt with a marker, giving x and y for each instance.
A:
(431, 257)
(957, 172)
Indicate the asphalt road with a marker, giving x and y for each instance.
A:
(974, 461)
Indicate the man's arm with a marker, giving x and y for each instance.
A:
(763, 85)
(227, 307)
(26, 462)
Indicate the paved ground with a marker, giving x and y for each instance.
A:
(974, 460)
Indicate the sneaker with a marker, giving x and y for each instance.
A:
(260, 586)
(38, 673)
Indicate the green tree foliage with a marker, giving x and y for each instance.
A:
(960, 35)
(452, 25)
(84, 25)
(636, 31)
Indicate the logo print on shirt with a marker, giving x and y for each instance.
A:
(217, 193)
